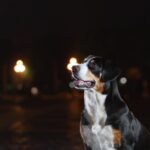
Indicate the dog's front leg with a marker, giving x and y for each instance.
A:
(96, 128)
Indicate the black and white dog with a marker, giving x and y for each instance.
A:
(106, 122)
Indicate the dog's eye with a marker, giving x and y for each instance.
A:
(92, 63)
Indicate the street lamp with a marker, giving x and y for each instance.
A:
(19, 78)
(72, 62)
(19, 67)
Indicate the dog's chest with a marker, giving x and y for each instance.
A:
(103, 140)
(94, 106)
(93, 130)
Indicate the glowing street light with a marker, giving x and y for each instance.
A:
(72, 61)
(19, 67)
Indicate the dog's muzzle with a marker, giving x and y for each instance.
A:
(79, 83)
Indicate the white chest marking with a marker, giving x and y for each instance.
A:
(94, 105)
(103, 140)
(97, 136)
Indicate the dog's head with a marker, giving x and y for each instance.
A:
(94, 72)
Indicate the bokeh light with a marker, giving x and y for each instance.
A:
(72, 61)
(19, 67)
(123, 80)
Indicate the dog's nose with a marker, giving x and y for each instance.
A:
(75, 68)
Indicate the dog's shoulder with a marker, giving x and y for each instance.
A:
(133, 133)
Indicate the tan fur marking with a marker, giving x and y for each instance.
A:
(99, 86)
(117, 137)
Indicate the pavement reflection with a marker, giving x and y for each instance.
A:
(47, 122)
(37, 124)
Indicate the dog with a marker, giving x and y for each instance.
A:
(106, 121)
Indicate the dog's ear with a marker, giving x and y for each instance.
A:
(110, 71)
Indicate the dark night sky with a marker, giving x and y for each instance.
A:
(48, 32)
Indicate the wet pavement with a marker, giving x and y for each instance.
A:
(44, 123)
(40, 124)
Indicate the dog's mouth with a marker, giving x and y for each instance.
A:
(81, 84)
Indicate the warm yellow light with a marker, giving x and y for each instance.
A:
(19, 67)
(19, 62)
(69, 66)
(72, 62)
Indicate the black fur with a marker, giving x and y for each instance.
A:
(133, 135)
(84, 121)
(87, 147)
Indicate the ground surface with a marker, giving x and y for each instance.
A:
(45, 123)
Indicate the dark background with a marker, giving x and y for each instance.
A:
(45, 35)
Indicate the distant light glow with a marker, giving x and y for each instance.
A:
(72, 61)
(34, 91)
(19, 67)
(123, 80)
(19, 62)
(69, 66)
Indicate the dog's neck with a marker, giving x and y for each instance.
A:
(96, 103)
(94, 107)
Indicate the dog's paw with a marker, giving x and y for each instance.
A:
(96, 128)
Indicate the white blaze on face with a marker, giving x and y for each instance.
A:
(83, 72)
